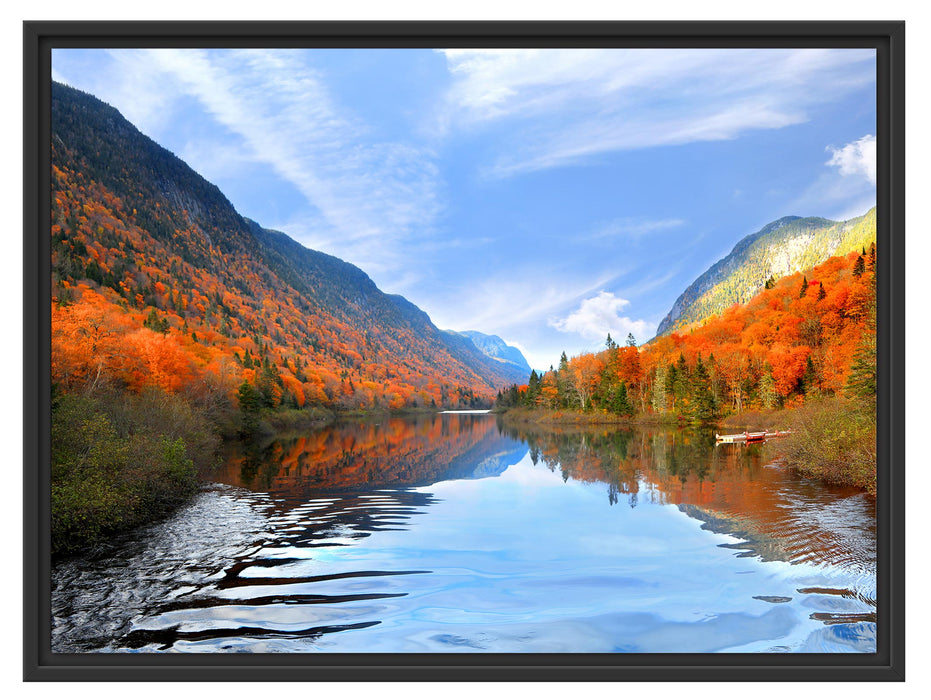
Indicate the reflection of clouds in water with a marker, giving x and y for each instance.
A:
(716, 634)
(621, 632)
(833, 639)
(510, 556)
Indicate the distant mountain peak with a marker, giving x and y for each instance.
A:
(494, 347)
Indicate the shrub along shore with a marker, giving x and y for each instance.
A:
(121, 459)
(832, 439)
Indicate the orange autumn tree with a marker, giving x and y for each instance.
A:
(795, 339)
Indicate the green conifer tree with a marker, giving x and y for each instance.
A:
(563, 382)
(701, 405)
(858, 266)
(250, 404)
(533, 389)
(811, 386)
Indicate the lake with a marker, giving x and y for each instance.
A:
(463, 533)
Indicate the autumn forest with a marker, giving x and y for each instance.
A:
(176, 324)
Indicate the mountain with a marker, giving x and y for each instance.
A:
(167, 268)
(494, 347)
(787, 245)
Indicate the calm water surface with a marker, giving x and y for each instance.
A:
(458, 533)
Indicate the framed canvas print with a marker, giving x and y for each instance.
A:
(464, 351)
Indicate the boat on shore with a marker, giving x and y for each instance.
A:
(746, 436)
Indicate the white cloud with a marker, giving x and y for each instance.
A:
(365, 196)
(498, 305)
(856, 158)
(846, 187)
(143, 95)
(600, 315)
(632, 228)
(570, 105)
(367, 191)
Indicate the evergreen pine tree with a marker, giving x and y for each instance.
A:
(861, 382)
(533, 389)
(619, 401)
(858, 266)
(810, 383)
(680, 382)
(250, 403)
(701, 405)
(563, 384)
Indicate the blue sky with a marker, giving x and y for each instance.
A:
(546, 196)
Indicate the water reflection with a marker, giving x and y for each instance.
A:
(462, 533)
(736, 489)
(393, 452)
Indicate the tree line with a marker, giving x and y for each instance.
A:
(806, 335)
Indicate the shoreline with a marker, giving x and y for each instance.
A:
(812, 451)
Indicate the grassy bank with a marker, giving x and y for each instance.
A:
(291, 420)
(833, 440)
(547, 417)
(753, 421)
(541, 416)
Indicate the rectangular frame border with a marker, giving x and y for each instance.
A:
(888, 664)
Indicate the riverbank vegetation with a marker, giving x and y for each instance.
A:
(141, 400)
(120, 460)
(801, 355)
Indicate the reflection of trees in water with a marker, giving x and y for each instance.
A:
(667, 461)
(728, 487)
(364, 454)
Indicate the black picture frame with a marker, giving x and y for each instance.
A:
(887, 664)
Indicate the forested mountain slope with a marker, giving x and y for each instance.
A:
(788, 245)
(810, 334)
(179, 290)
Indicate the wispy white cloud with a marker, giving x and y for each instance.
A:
(144, 96)
(365, 196)
(631, 229)
(600, 315)
(597, 101)
(370, 193)
(498, 304)
(856, 158)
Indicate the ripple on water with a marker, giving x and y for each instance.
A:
(532, 558)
